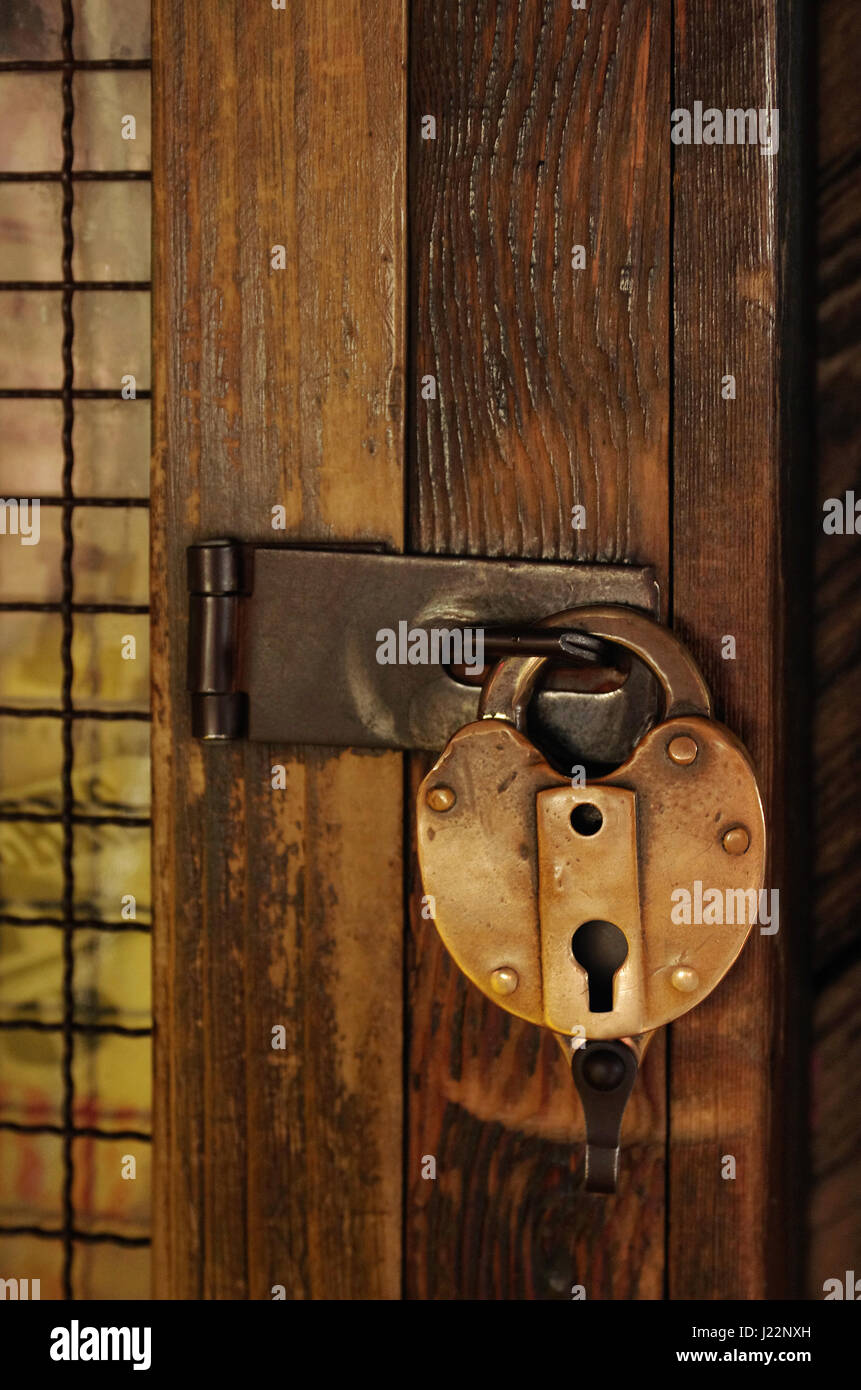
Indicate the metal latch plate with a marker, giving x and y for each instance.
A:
(283, 644)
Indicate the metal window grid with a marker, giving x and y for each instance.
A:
(67, 922)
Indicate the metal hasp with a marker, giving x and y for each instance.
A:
(283, 646)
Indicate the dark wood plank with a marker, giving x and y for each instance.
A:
(552, 391)
(835, 1210)
(835, 1216)
(733, 477)
(275, 387)
(838, 561)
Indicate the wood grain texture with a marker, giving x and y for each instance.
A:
(553, 382)
(838, 562)
(733, 477)
(835, 1208)
(275, 907)
(552, 390)
(835, 1215)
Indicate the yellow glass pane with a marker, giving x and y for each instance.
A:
(31, 879)
(103, 1198)
(111, 225)
(30, 668)
(103, 678)
(30, 572)
(31, 973)
(30, 1064)
(111, 766)
(30, 1183)
(31, 113)
(112, 28)
(31, 242)
(112, 1076)
(34, 1258)
(112, 447)
(111, 554)
(31, 341)
(112, 862)
(103, 101)
(112, 338)
(112, 969)
(31, 753)
(102, 1270)
(30, 447)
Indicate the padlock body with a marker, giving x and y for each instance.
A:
(513, 879)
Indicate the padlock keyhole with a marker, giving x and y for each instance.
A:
(601, 949)
(586, 818)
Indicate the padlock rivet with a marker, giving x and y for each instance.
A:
(682, 750)
(504, 980)
(441, 798)
(685, 979)
(737, 840)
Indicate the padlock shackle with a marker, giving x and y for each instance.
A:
(509, 687)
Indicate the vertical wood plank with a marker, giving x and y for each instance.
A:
(552, 390)
(835, 1231)
(275, 387)
(734, 478)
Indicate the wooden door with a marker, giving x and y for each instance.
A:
(581, 290)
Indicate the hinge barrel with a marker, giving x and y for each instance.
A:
(220, 582)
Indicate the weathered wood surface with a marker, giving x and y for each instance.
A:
(553, 384)
(835, 1217)
(734, 482)
(553, 389)
(275, 387)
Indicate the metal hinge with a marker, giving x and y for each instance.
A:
(285, 645)
(220, 582)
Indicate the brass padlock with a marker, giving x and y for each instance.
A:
(564, 903)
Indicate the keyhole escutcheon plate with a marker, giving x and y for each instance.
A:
(587, 874)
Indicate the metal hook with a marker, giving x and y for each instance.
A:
(604, 1074)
